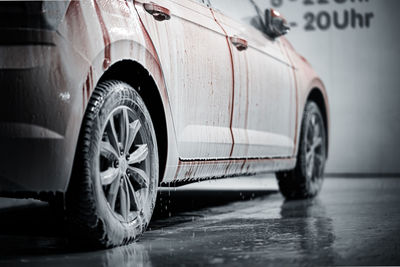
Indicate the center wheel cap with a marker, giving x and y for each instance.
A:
(123, 165)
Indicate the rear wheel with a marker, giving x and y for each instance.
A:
(113, 189)
(305, 181)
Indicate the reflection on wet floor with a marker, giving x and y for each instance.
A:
(354, 221)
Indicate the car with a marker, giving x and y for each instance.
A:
(104, 101)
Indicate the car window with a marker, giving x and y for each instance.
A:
(241, 10)
(197, 1)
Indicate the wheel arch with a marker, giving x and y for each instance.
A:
(316, 94)
(137, 76)
(138, 66)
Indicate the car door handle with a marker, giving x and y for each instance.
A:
(160, 13)
(239, 43)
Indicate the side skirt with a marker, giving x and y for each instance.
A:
(189, 171)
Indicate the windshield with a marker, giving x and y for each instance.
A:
(246, 11)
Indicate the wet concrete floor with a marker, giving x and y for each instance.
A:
(236, 222)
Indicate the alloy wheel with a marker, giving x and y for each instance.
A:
(315, 152)
(124, 164)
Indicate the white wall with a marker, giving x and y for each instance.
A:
(361, 70)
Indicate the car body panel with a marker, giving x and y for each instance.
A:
(307, 80)
(195, 83)
(48, 86)
(79, 62)
(264, 85)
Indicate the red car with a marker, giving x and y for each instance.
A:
(103, 101)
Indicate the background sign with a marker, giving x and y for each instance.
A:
(354, 46)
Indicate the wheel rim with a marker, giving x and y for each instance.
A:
(124, 164)
(315, 149)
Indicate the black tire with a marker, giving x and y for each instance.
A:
(111, 197)
(305, 180)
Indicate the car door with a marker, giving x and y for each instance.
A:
(263, 122)
(196, 64)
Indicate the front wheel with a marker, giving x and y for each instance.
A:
(305, 181)
(113, 190)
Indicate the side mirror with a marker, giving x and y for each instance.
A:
(275, 24)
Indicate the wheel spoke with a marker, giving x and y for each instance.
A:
(309, 156)
(108, 176)
(313, 120)
(134, 201)
(310, 166)
(319, 158)
(310, 135)
(139, 178)
(317, 142)
(316, 130)
(128, 197)
(134, 128)
(124, 200)
(113, 192)
(139, 155)
(106, 149)
(316, 168)
(124, 123)
(112, 134)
